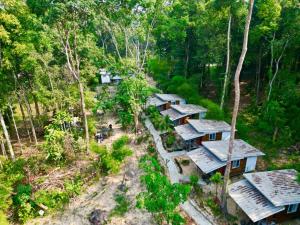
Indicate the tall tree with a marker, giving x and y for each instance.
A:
(236, 104)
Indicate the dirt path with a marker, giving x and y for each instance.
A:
(101, 195)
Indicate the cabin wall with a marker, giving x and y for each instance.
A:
(225, 135)
(284, 216)
(239, 170)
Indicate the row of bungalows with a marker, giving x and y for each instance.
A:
(263, 198)
(107, 78)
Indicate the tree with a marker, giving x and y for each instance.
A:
(236, 104)
(161, 198)
(131, 96)
(70, 19)
(217, 180)
(10, 148)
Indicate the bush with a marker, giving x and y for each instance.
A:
(151, 148)
(122, 141)
(185, 162)
(122, 206)
(194, 180)
(170, 140)
(53, 199)
(215, 208)
(92, 125)
(122, 153)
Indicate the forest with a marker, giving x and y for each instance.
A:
(70, 141)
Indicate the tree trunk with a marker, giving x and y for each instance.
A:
(36, 105)
(276, 71)
(86, 128)
(226, 78)
(3, 149)
(236, 106)
(186, 59)
(15, 126)
(6, 135)
(24, 117)
(29, 113)
(258, 76)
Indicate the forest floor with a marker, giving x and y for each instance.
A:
(101, 194)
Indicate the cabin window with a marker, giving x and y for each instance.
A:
(292, 208)
(212, 136)
(236, 164)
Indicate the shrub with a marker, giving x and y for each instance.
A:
(215, 208)
(92, 125)
(122, 141)
(185, 162)
(151, 148)
(194, 180)
(170, 140)
(22, 202)
(53, 199)
(122, 206)
(122, 153)
(53, 146)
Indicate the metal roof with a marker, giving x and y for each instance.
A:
(206, 161)
(279, 186)
(251, 201)
(187, 132)
(189, 109)
(173, 114)
(155, 101)
(169, 97)
(209, 126)
(241, 149)
(116, 77)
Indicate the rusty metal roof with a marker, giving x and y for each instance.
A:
(187, 132)
(209, 126)
(279, 186)
(173, 114)
(251, 201)
(169, 97)
(206, 161)
(154, 101)
(189, 109)
(241, 149)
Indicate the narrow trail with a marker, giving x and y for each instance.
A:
(101, 194)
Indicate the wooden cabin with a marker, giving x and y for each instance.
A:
(194, 132)
(164, 101)
(180, 114)
(267, 198)
(212, 157)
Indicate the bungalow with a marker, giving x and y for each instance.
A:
(212, 157)
(116, 79)
(268, 197)
(179, 114)
(105, 76)
(164, 101)
(196, 131)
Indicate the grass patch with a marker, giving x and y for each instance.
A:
(122, 206)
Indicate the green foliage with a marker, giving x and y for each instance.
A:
(122, 206)
(121, 153)
(215, 208)
(194, 180)
(160, 122)
(92, 125)
(53, 145)
(53, 199)
(171, 138)
(216, 178)
(22, 202)
(161, 198)
(121, 142)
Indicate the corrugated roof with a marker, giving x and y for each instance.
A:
(251, 201)
(173, 114)
(169, 97)
(187, 132)
(208, 126)
(241, 149)
(206, 161)
(189, 109)
(154, 101)
(278, 186)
